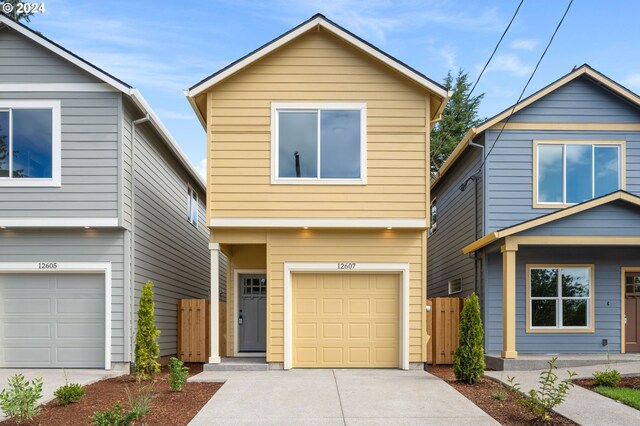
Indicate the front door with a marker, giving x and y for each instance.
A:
(252, 313)
(632, 311)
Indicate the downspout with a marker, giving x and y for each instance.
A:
(132, 234)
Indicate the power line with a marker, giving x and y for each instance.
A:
(495, 49)
(484, 160)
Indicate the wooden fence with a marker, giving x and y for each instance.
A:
(443, 322)
(194, 324)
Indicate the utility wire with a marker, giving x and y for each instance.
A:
(484, 160)
(495, 49)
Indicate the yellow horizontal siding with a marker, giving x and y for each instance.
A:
(317, 67)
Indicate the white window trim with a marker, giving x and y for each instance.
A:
(276, 106)
(292, 267)
(594, 143)
(236, 305)
(190, 199)
(449, 286)
(78, 267)
(56, 131)
(559, 298)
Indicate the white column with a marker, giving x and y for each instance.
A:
(214, 358)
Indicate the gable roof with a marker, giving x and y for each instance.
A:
(316, 21)
(115, 83)
(584, 70)
(551, 217)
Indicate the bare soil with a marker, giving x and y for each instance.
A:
(167, 408)
(507, 411)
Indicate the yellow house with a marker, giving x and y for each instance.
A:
(318, 193)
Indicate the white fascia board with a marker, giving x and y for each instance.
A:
(194, 107)
(316, 223)
(319, 21)
(59, 222)
(141, 103)
(64, 54)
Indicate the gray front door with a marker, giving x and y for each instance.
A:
(252, 313)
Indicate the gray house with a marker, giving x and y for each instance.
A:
(96, 198)
(538, 211)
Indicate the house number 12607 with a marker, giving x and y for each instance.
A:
(350, 265)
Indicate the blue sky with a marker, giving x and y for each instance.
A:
(162, 47)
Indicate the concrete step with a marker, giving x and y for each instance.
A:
(238, 364)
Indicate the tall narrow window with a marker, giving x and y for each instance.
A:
(192, 206)
(577, 172)
(318, 143)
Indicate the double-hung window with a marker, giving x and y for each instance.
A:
(30, 143)
(192, 206)
(319, 143)
(571, 173)
(560, 298)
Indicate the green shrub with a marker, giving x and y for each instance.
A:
(147, 350)
(178, 374)
(609, 378)
(113, 417)
(500, 396)
(552, 392)
(140, 401)
(20, 400)
(468, 360)
(69, 392)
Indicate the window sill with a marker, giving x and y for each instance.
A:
(560, 330)
(303, 181)
(29, 183)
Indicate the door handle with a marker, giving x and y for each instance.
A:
(240, 317)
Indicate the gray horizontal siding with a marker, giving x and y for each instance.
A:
(23, 61)
(509, 172)
(168, 250)
(579, 101)
(608, 263)
(455, 228)
(75, 246)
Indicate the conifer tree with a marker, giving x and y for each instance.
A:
(468, 360)
(147, 350)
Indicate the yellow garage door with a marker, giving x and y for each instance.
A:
(346, 320)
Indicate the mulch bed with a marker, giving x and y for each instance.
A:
(626, 382)
(167, 407)
(506, 412)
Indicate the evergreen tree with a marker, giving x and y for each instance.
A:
(147, 350)
(460, 115)
(12, 10)
(468, 360)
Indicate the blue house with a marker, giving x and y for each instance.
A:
(537, 210)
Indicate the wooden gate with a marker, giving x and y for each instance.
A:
(443, 323)
(193, 330)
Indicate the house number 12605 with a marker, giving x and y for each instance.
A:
(47, 265)
(350, 265)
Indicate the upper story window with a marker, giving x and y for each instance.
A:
(192, 206)
(570, 173)
(434, 216)
(29, 143)
(321, 143)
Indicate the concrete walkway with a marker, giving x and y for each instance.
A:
(583, 406)
(336, 397)
(54, 378)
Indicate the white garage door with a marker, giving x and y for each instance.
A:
(52, 320)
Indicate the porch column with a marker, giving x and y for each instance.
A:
(509, 251)
(214, 357)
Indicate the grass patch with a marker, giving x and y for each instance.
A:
(627, 396)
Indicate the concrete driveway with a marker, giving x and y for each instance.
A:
(336, 397)
(54, 378)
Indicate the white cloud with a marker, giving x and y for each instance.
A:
(201, 168)
(632, 81)
(449, 55)
(510, 64)
(524, 44)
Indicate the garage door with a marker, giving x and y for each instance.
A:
(52, 320)
(346, 320)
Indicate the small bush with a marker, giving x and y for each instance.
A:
(113, 417)
(500, 396)
(468, 360)
(69, 392)
(20, 400)
(140, 401)
(609, 378)
(178, 374)
(552, 392)
(147, 350)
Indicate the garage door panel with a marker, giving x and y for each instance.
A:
(358, 320)
(52, 320)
